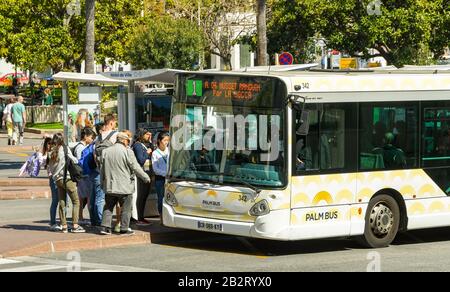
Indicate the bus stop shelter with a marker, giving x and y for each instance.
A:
(166, 76)
(126, 98)
(65, 77)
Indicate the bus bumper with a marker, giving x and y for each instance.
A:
(272, 226)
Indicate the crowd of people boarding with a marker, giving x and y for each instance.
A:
(99, 174)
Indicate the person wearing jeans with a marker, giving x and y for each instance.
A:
(46, 148)
(97, 201)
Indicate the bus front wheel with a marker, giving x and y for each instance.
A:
(382, 222)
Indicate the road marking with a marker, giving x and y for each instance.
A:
(33, 269)
(17, 154)
(99, 271)
(8, 262)
(84, 265)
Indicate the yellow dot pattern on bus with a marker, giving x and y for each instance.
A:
(342, 195)
(310, 193)
(369, 83)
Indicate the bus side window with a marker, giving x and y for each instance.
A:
(388, 136)
(306, 146)
(436, 136)
(330, 143)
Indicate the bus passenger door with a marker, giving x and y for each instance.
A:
(324, 175)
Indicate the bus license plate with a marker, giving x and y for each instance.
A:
(209, 226)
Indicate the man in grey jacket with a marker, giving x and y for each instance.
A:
(118, 169)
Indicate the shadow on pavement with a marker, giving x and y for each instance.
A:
(25, 227)
(10, 165)
(266, 248)
(261, 247)
(423, 236)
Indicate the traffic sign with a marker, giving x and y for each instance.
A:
(286, 59)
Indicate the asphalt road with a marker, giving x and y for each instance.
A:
(418, 251)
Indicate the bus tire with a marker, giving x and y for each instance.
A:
(382, 222)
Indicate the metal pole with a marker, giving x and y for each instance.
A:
(31, 82)
(65, 112)
(131, 106)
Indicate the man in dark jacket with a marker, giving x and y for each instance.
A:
(143, 154)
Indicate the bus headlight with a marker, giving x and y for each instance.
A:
(259, 209)
(171, 199)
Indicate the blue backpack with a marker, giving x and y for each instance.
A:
(87, 161)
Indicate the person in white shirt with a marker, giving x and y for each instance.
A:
(160, 164)
(7, 118)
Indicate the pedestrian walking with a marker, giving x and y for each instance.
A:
(19, 120)
(7, 118)
(2, 108)
(118, 170)
(59, 169)
(143, 154)
(160, 162)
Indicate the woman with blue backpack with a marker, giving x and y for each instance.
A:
(84, 185)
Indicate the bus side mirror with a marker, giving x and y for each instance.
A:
(303, 129)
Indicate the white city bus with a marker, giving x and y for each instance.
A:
(308, 155)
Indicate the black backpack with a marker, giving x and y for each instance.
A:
(101, 145)
(75, 171)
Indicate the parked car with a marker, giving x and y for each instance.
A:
(6, 80)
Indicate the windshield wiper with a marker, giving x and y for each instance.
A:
(249, 185)
(181, 179)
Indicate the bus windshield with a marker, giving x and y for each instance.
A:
(229, 130)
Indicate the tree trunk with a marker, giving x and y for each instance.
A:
(262, 32)
(90, 37)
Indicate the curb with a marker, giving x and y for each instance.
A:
(40, 132)
(24, 182)
(16, 148)
(6, 195)
(102, 242)
(99, 242)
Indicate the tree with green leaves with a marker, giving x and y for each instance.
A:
(165, 42)
(37, 34)
(224, 22)
(401, 31)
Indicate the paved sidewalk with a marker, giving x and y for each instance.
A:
(24, 188)
(24, 232)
